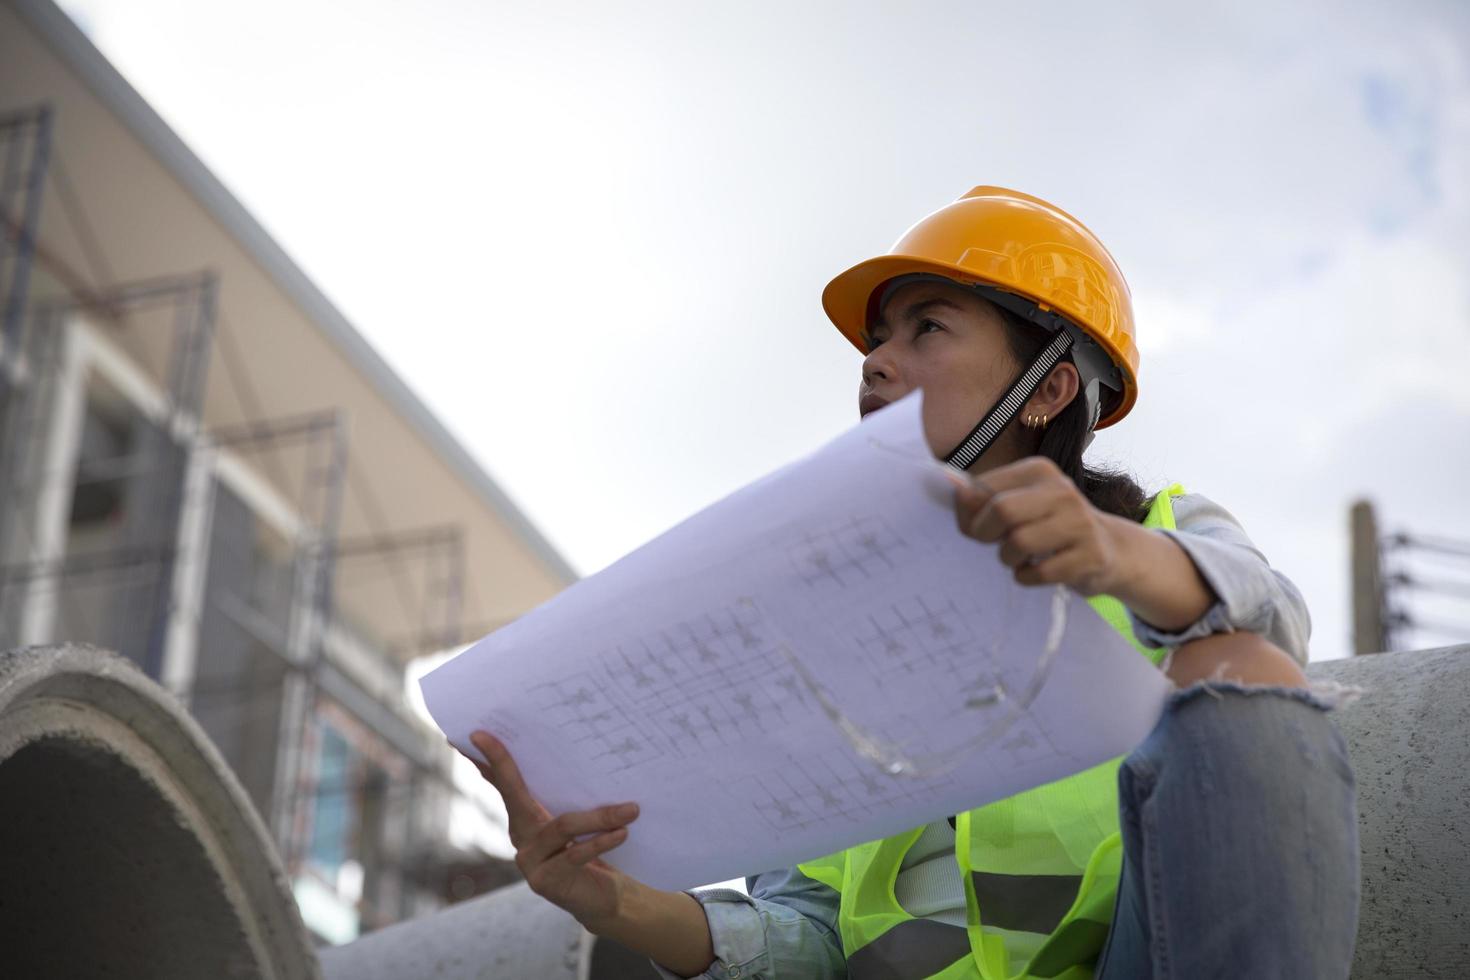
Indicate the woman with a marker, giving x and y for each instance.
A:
(1224, 845)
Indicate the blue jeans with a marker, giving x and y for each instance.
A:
(1240, 839)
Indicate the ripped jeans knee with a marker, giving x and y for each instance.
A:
(1241, 657)
(1239, 821)
(1214, 722)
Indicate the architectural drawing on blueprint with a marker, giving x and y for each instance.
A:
(917, 634)
(716, 680)
(927, 639)
(585, 710)
(851, 553)
(700, 684)
(834, 786)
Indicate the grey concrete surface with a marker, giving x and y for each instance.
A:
(129, 850)
(1409, 737)
(509, 933)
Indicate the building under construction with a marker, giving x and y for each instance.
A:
(204, 467)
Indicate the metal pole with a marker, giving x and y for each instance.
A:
(175, 444)
(310, 617)
(181, 647)
(26, 233)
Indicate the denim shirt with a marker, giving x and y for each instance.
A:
(787, 925)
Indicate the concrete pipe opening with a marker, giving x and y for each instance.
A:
(129, 849)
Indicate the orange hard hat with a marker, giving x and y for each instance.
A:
(1024, 253)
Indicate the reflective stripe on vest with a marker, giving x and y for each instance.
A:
(1043, 863)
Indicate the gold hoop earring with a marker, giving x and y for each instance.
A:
(1044, 419)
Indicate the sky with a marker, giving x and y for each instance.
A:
(593, 236)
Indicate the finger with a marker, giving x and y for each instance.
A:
(556, 834)
(523, 809)
(582, 852)
(967, 504)
(1009, 509)
(1036, 541)
(973, 493)
(477, 761)
(1074, 567)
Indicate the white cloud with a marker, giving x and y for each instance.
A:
(1167, 322)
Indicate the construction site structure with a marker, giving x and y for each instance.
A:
(204, 467)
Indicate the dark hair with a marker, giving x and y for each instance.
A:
(1110, 491)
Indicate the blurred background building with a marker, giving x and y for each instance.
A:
(204, 467)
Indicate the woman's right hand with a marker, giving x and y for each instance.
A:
(558, 858)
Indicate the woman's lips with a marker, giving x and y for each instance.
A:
(870, 403)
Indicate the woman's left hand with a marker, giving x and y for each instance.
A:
(1047, 530)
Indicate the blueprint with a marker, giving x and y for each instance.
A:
(734, 675)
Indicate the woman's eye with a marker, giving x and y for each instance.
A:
(926, 326)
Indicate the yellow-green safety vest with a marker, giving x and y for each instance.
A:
(1040, 871)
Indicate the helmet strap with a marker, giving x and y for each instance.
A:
(1003, 411)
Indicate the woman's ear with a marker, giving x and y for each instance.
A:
(1057, 391)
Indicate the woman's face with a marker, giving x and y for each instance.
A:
(948, 341)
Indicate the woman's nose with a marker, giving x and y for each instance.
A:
(879, 366)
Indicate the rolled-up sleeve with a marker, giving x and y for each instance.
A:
(1251, 595)
(785, 927)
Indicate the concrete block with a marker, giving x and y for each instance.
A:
(507, 934)
(129, 850)
(1409, 738)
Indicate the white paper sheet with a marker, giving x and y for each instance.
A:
(667, 678)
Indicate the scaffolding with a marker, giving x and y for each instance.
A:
(289, 612)
(441, 553)
(127, 520)
(25, 147)
(44, 422)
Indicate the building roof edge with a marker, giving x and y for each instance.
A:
(73, 46)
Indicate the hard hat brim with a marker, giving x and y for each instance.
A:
(847, 298)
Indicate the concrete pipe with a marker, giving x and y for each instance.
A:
(509, 934)
(130, 851)
(1409, 738)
